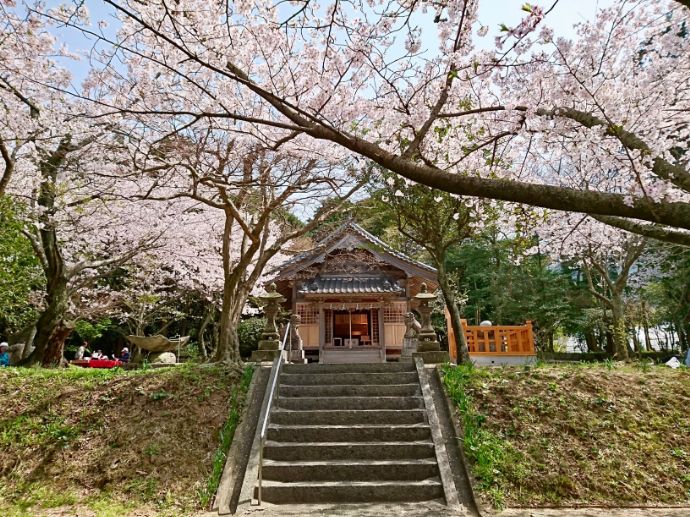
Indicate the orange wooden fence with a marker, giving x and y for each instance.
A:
(496, 340)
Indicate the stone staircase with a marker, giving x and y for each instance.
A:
(350, 433)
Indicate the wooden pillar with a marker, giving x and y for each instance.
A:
(322, 329)
(382, 336)
(530, 338)
(452, 338)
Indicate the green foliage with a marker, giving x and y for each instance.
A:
(249, 332)
(90, 331)
(507, 286)
(226, 435)
(20, 270)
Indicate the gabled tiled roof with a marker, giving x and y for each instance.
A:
(350, 285)
(377, 245)
(388, 249)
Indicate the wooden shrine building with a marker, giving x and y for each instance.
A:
(352, 292)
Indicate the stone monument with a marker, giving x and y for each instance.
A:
(269, 344)
(158, 348)
(428, 347)
(412, 328)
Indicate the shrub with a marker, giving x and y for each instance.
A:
(249, 332)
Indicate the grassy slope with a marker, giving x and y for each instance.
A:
(576, 434)
(109, 441)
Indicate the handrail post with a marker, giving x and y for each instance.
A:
(261, 463)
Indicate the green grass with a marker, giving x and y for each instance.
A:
(52, 413)
(560, 434)
(490, 455)
(226, 435)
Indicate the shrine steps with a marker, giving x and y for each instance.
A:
(350, 433)
(351, 491)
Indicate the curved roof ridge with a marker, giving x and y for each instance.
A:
(364, 234)
(389, 249)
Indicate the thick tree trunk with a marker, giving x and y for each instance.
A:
(234, 299)
(591, 340)
(684, 335)
(228, 349)
(51, 330)
(455, 318)
(608, 336)
(618, 329)
(26, 337)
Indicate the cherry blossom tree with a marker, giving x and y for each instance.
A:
(597, 125)
(608, 258)
(251, 193)
(60, 166)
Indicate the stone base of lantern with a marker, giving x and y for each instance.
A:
(269, 344)
(268, 350)
(261, 356)
(429, 350)
(428, 346)
(433, 357)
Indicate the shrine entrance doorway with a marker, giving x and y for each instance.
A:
(352, 329)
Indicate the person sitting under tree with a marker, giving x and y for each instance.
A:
(82, 350)
(4, 354)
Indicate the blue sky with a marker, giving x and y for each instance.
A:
(491, 12)
(561, 19)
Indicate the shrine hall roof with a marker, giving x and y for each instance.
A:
(349, 285)
(343, 238)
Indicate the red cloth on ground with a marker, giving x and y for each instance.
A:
(104, 363)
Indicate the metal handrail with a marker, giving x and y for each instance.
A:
(275, 371)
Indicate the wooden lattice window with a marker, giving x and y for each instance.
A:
(394, 312)
(375, 326)
(308, 313)
(328, 331)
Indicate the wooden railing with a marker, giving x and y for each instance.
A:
(500, 339)
(495, 340)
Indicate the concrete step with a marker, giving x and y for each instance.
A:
(345, 417)
(304, 403)
(312, 379)
(348, 433)
(350, 390)
(349, 368)
(348, 470)
(350, 492)
(328, 451)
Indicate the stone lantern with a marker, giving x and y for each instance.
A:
(428, 347)
(269, 344)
